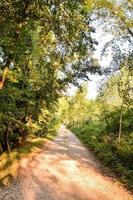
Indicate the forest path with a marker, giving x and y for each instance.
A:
(64, 170)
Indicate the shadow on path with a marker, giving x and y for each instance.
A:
(64, 170)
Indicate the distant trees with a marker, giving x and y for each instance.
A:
(105, 124)
(118, 92)
(113, 106)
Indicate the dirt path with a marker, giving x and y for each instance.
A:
(64, 170)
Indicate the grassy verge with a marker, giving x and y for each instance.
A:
(10, 163)
(117, 157)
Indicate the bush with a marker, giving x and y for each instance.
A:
(105, 146)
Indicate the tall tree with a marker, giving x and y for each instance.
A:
(44, 45)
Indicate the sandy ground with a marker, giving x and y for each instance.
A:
(63, 170)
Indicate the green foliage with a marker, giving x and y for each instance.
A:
(119, 158)
(43, 48)
(99, 128)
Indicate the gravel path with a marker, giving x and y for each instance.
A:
(64, 170)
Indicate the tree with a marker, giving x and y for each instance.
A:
(44, 45)
(115, 18)
(125, 90)
(116, 97)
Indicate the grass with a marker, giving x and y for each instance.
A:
(117, 157)
(10, 163)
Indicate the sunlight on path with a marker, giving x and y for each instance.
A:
(64, 170)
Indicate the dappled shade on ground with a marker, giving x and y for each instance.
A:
(63, 170)
(10, 162)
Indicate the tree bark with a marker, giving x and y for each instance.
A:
(120, 124)
(6, 144)
(30, 120)
(23, 136)
(1, 149)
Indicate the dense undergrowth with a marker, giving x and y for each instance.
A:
(119, 157)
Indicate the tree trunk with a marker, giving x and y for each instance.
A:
(30, 120)
(120, 124)
(7, 141)
(6, 145)
(24, 136)
(1, 149)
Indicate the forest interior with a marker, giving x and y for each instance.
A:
(48, 48)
